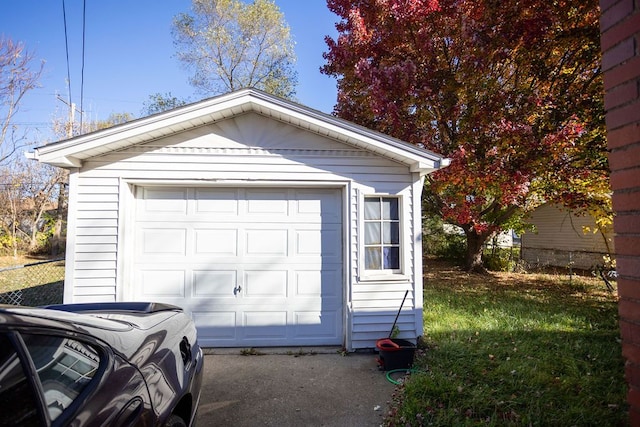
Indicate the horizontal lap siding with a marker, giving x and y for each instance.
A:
(559, 239)
(96, 239)
(375, 311)
(560, 229)
(374, 305)
(283, 166)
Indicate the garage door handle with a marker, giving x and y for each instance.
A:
(237, 290)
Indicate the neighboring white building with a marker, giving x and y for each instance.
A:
(504, 239)
(559, 239)
(272, 224)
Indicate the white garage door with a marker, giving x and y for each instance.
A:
(255, 267)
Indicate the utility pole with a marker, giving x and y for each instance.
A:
(72, 115)
(56, 239)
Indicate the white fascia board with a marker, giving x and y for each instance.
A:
(71, 152)
(73, 148)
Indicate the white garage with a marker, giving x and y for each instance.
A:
(270, 223)
(255, 266)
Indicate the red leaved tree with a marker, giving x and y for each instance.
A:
(510, 91)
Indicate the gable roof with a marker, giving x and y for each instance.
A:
(70, 153)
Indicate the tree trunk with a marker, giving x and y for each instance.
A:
(56, 239)
(14, 229)
(33, 238)
(473, 257)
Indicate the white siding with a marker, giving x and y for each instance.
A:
(248, 150)
(96, 239)
(559, 239)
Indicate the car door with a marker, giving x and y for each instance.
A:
(55, 379)
(19, 400)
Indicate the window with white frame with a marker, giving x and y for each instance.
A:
(382, 233)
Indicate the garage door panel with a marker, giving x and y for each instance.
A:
(317, 283)
(214, 283)
(318, 242)
(266, 242)
(313, 324)
(156, 200)
(218, 326)
(309, 242)
(216, 201)
(163, 241)
(216, 242)
(280, 249)
(264, 325)
(162, 283)
(260, 202)
(265, 283)
(319, 206)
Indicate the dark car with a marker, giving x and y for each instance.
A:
(115, 364)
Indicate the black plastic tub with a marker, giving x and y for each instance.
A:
(394, 353)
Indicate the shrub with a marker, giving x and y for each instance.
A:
(501, 259)
(443, 243)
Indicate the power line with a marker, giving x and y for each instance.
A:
(84, 8)
(66, 45)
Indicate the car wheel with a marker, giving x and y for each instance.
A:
(175, 421)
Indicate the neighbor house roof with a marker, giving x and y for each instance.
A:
(70, 153)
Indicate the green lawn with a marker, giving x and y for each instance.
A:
(514, 350)
(37, 283)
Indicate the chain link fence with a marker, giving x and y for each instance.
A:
(38, 283)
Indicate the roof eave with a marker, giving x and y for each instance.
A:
(70, 153)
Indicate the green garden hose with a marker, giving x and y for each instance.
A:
(406, 371)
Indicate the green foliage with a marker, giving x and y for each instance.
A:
(511, 92)
(6, 243)
(454, 248)
(441, 243)
(158, 102)
(513, 351)
(230, 45)
(501, 259)
(395, 333)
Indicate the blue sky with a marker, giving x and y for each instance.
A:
(129, 54)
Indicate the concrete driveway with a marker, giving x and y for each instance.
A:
(293, 388)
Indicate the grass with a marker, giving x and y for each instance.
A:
(510, 349)
(38, 284)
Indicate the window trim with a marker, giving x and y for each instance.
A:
(382, 274)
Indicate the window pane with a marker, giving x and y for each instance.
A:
(372, 233)
(373, 259)
(371, 208)
(382, 233)
(65, 367)
(395, 233)
(391, 233)
(392, 258)
(17, 400)
(390, 208)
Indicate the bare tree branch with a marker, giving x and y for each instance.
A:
(16, 79)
